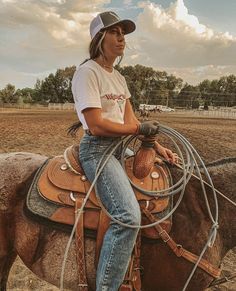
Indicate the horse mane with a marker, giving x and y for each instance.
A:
(223, 173)
(221, 162)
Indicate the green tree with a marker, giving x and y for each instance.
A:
(220, 92)
(63, 80)
(231, 90)
(55, 88)
(26, 94)
(173, 86)
(189, 97)
(149, 86)
(8, 94)
(138, 79)
(36, 96)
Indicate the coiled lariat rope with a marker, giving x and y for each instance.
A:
(189, 159)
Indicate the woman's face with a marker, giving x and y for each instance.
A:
(114, 42)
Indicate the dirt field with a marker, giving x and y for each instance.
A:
(44, 132)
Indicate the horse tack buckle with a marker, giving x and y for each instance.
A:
(164, 235)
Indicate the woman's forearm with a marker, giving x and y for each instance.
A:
(106, 127)
(100, 126)
(129, 114)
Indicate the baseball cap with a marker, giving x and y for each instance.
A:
(107, 19)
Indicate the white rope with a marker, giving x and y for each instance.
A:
(179, 187)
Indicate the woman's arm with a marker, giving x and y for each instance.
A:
(163, 151)
(103, 127)
(129, 113)
(100, 126)
(166, 153)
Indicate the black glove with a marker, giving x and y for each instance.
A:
(148, 128)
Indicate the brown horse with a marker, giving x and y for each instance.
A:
(42, 248)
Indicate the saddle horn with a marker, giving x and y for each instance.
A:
(145, 157)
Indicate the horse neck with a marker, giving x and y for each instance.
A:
(223, 176)
(193, 211)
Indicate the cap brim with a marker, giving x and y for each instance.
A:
(129, 25)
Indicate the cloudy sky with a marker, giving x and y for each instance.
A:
(192, 39)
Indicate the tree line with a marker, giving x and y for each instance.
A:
(146, 85)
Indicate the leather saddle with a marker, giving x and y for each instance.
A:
(63, 182)
(62, 185)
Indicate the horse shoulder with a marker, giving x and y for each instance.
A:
(15, 170)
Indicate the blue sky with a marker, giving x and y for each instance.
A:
(192, 39)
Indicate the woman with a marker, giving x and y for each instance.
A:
(102, 103)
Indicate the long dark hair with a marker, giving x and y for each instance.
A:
(95, 50)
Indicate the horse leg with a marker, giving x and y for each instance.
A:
(5, 266)
(7, 254)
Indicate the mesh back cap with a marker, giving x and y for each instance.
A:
(107, 19)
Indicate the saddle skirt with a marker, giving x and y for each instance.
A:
(61, 182)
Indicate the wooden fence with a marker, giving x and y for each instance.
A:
(49, 106)
(228, 113)
(216, 113)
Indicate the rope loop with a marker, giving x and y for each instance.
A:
(190, 159)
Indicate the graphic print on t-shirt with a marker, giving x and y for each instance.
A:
(109, 100)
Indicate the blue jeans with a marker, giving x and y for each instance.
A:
(118, 197)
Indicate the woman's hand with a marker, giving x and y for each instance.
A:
(166, 153)
(148, 128)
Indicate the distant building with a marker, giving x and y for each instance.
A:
(150, 107)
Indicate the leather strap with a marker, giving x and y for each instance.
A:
(136, 278)
(103, 225)
(132, 279)
(126, 287)
(80, 254)
(127, 283)
(180, 251)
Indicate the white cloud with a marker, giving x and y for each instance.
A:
(37, 36)
(173, 37)
(65, 21)
(193, 75)
(20, 77)
(179, 13)
(127, 2)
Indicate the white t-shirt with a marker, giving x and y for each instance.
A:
(93, 86)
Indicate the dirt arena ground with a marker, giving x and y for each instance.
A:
(44, 132)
